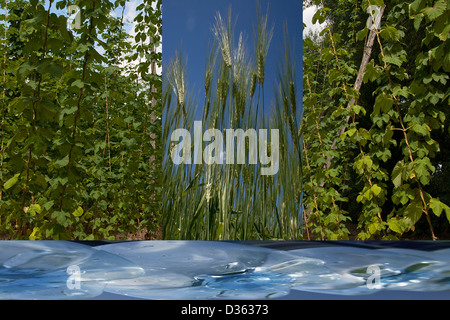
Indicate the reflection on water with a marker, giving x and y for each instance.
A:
(211, 270)
(58, 270)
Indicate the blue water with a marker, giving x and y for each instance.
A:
(58, 270)
(215, 270)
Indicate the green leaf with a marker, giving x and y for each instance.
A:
(417, 21)
(82, 48)
(390, 33)
(373, 227)
(78, 212)
(33, 210)
(368, 162)
(358, 165)
(422, 168)
(393, 59)
(318, 16)
(417, 5)
(376, 189)
(362, 34)
(351, 132)
(445, 33)
(78, 83)
(382, 102)
(33, 235)
(379, 3)
(395, 226)
(437, 10)
(427, 79)
(11, 182)
(68, 110)
(421, 129)
(435, 97)
(371, 73)
(437, 206)
(92, 237)
(400, 91)
(358, 109)
(440, 77)
(389, 133)
(62, 217)
(397, 174)
(97, 56)
(48, 205)
(414, 211)
(51, 67)
(63, 162)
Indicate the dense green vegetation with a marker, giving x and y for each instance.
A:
(79, 120)
(375, 131)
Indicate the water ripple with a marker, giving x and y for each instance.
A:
(58, 270)
(211, 270)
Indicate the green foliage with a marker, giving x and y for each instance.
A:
(392, 129)
(79, 115)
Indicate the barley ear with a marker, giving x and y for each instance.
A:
(177, 77)
(253, 84)
(292, 96)
(263, 39)
(224, 34)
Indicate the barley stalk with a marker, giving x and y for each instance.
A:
(208, 202)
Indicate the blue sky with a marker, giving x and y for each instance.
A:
(189, 23)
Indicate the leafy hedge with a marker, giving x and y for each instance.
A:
(79, 120)
(375, 133)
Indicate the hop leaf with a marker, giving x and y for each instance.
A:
(11, 182)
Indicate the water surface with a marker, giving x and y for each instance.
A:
(215, 270)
